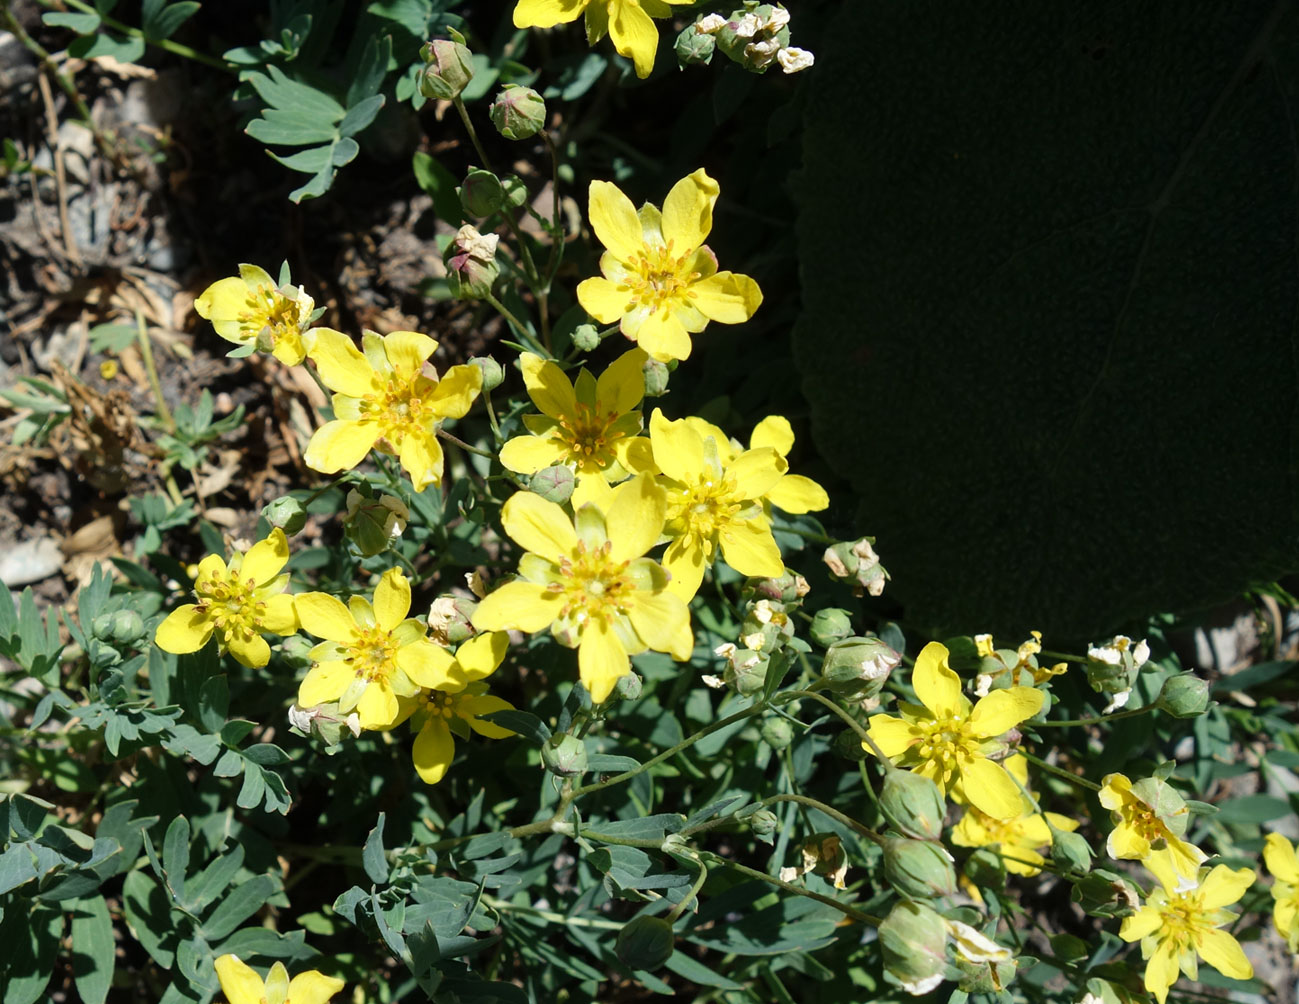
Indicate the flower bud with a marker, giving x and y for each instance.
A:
(471, 263)
(1071, 850)
(586, 337)
(287, 514)
(645, 943)
(516, 192)
(564, 755)
(628, 687)
(1183, 696)
(856, 564)
(493, 374)
(754, 36)
(985, 977)
(1105, 894)
(102, 627)
(1098, 991)
(450, 620)
(448, 68)
(296, 651)
(919, 869)
(777, 733)
(656, 377)
(554, 484)
(481, 194)
(912, 802)
(126, 627)
(985, 869)
(372, 524)
(830, 625)
(325, 721)
(747, 670)
(694, 47)
(518, 112)
(763, 823)
(913, 939)
(858, 666)
(788, 588)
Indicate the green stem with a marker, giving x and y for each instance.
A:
(491, 418)
(1052, 769)
(833, 813)
(1097, 720)
(812, 535)
(790, 695)
(844, 908)
(146, 350)
(1063, 656)
(518, 326)
(166, 44)
(329, 487)
(463, 445)
(680, 908)
(503, 906)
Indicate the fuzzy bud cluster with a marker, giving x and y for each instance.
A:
(856, 564)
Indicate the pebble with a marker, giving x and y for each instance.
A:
(30, 561)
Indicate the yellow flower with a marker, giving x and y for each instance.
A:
(243, 986)
(1019, 837)
(1149, 816)
(715, 497)
(1181, 919)
(627, 22)
(950, 742)
(249, 309)
(586, 580)
(372, 655)
(660, 281)
(386, 399)
(591, 427)
(793, 493)
(1283, 863)
(238, 603)
(454, 706)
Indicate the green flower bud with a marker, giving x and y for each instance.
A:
(919, 869)
(777, 733)
(848, 746)
(554, 484)
(858, 666)
(471, 263)
(645, 943)
(518, 112)
(297, 650)
(127, 626)
(788, 588)
(493, 374)
(913, 939)
(448, 68)
(856, 564)
(586, 337)
(1098, 991)
(564, 755)
(912, 802)
(481, 194)
(763, 823)
(450, 620)
(656, 377)
(325, 721)
(287, 513)
(694, 47)
(628, 687)
(1104, 893)
(102, 627)
(516, 192)
(754, 36)
(830, 625)
(985, 869)
(1071, 850)
(746, 669)
(1183, 696)
(372, 524)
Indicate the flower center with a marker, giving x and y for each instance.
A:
(401, 408)
(1148, 825)
(660, 278)
(702, 508)
(1184, 920)
(947, 742)
(272, 312)
(231, 604)
(438, 704)
(372, 655)
(593, 585)
(589, 436)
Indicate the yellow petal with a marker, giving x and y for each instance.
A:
(433, 751)
(289, 348)
(602, 299)
(185, 630)
(325, 682)
(774, 431)
(265, 558)
(313, 987)
(634, 519)
(749, 548)
(539, 526)
(1114, 788)
(1138, 925)
(1224, 886)
(726, 297)
(1002, 710)
(633, 35)
(391, 599)
(211, 567)
(592, 489)
(688, 211)
(406, 351)
(547, 13)
(678, 449)
(224, 300)
(622, 385)
(421, 459)
(325, 616)
(238, 982)
(797, 494)
(990, 789)
(485, 704)
(601, 660)
(279, 615)
(548, 386)
(519, 606)
(614, 220)
(340, 363)
(662, 335)
(936, 686)
(756, 472)
(1124, 842)
(1220, 950)
(340, 445)
(894, 736)
(428, 665)
(1279, 854)
(482, 654)
(657, 618)
(529, 454)
(1161, 970)
(684, 561)
(455, 392)
(377, 708)
(251, 652)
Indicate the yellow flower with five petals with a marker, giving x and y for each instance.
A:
(238, 603)
(660, 281)
(455, 706)
(251, 309)
(950, 741)
(1019, 837)
(1283, 863)
(243, 986)
(793, 493)
(372, 655)
(386, 399)
(590, 425)
(1182, 919)
(627, 22)
(1148, 817)
(587, 580)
